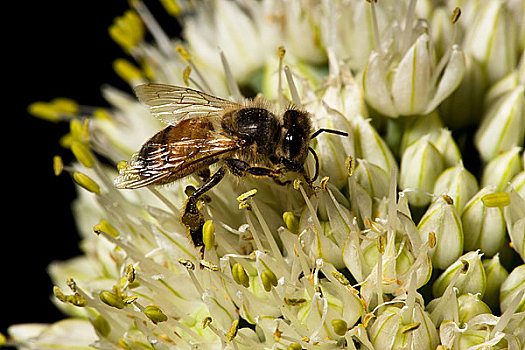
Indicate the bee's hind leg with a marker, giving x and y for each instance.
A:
(192, 218)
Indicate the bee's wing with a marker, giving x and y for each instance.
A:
(167, 162)
(171, 104)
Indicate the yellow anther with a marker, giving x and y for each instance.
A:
(43, 110)
(55, 110)
(186, 75)
(187, 264)
(232, 332)
(121, 165)
(65, 105)
(208, 234)
(350, 165)
(59, 295)
(240, 276)
(281, 51)
(58, 165)
(82, 154)
(291, 221)
(111, 299)
(323, 183)
(171, 7)
(86, 182)
(455, 15)
(432, 239)
(102, 326)
(368, 317)
(183, 52)
(268, 279)
(340, 326)
(106, 227)
(340, 277)
(155, 314)
(79, 129)
(130, 273)
(77, 300)
(294, 346)
(209, 265)
(448, 199)
(127, 71)
(2, 339)
(130, 299)
(243, 197)
(101, 113)
(498, 199)
(127, 30)
(206, 321)
(294, 301)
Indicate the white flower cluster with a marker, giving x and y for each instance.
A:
(415, 236)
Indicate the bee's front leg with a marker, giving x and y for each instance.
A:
(191, 217)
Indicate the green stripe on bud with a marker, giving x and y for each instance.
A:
(102, 326)
(83, 154)
(240, 276)
(268, 279)
(111, 299)
(208, 234)
(340, 326)
(86, 182)
(155, 314)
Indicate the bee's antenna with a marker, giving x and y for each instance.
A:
(316, 158)
(330, 131)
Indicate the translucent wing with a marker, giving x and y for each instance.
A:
(171, 104)
(173, 153)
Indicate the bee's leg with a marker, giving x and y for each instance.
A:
(192, 218)
(239, 167)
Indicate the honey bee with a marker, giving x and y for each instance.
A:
(244, 138)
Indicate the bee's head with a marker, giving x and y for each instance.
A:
(296, 130)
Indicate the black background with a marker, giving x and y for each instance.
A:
(53, 48)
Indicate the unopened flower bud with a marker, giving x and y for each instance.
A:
(518, 183)
(466, 274)
(492, 39)
(390, 329)
(512, 285)
(471, 305)
(446, 145)
(411, 86)
(502, 126)
(495, 274)
(483, 226)
(515, 220)
(373, 178)
(501, 169)
(458, 183)
(442, 219)
(370, 146)
(421, 165)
